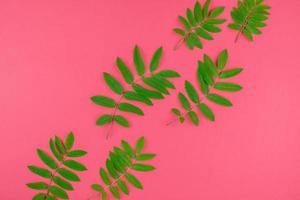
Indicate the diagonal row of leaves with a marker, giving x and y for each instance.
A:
(59, 172)
(199, 24)
(249, 16)
(118, 173)
(210, 77)
(156, 86)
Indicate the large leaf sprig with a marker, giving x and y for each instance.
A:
(58, 173)
(211, 77)
(249, 17)
(148, 84)
(199, 24)
(117, 175)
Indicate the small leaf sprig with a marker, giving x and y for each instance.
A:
(59, 172)
(249, 17)
(199, 24)
(210, 77)
(155, 85)
(117, 174)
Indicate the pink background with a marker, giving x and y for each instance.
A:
(52, 54)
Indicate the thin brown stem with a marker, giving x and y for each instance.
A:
(179, 43)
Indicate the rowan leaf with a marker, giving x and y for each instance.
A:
(142, 167)
(193, 117)
(104, 119)
(191, 91)
(184, 101)
(146, 92)
(169, 74)
(218, 99)
(222, 59)
(133, 180)
(114, 191)
(206, 111)
(248, 18)
(103, 101)
(104, 176)
(125, 71)
(74, 165)
(112, 83)
(155, 59)
(77, 153)
(150, 81)
(145, 156)
(37, 185)
(62, 183)
(40, 171)
(58, 192)
(138, 61)
(229, 87)
(127, 107)
(68, 174)
(47, 159)
(123, 187)
(230, 73)
(139, 146)
(140, 97)
(121, 121)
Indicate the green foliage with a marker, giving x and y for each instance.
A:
(208, 75)
(143, 87)
(199, 24)
(121, 163)
(57, 178)
(249, 17)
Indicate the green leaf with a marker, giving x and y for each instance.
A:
(203, 77)
(128, 149)
(104, 176)
(48, 160)
(191, 91)
(112, 83)
(37, 185)
(146, 92)
(142, 167)
(205, 8)
(195, 40)
(111, 170)
(155, 59)
(163, 81)
(184, 101)
(169, 74)
(185, 23)
(135, 96)
(125, 71)
(218, 99)
(211, 28)
(54, 150)
(193, 117)
(190, 17)
(104, 119)
(59, 145)
(146, 156)
(114, 191)
(198, 12)
(179, 31)
(62, 183)
(222, 59)
(68, 174)
(230, 73)
(139, 146)
(103, 101)
(155, 84)
(204, 34)
(40, 171)
(210, 65)
(104, 195)
(69, 141)
(39, 196)
(77, 153)
(74, 165)
(123, 187)
(127, 107)
(138, 61)
(229, 87)
(97, 187)
(134, 181)
(56, 191)
(206, 111)
(176, 111)
(217, 11)
(121, 121)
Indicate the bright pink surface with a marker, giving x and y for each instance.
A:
(52, 55)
